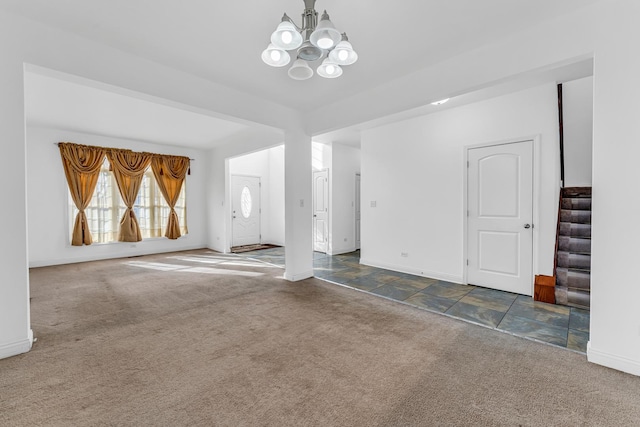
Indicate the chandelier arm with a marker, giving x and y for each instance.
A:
(286, 18)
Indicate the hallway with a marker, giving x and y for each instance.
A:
(519, 315)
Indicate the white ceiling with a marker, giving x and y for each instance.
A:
(222, 40)
(52, 102)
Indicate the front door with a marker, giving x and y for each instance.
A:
(500, 212)
(320, 210)
(245, 205)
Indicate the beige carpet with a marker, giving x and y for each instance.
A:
(188, 339)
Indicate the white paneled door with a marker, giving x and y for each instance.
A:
(320, 210)
(245, 205)
(500, 212)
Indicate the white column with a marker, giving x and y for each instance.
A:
(15, 333)
(615, 326)
(298, 209)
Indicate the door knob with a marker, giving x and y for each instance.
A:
(527, 226)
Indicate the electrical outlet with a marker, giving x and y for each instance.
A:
(404, 254)
(374, 203)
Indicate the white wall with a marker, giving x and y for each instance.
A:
(615, 294)
(414, 171)
(346, 163)
(48, 209)
(269, 166)
(577, 101)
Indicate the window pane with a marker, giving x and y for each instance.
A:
(107, 207)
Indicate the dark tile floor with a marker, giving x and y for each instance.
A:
(517, 314)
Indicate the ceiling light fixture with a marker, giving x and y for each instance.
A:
(311, 42)
(442, 101)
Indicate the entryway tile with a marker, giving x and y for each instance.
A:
(532, 329)
(489, 298)
(579, 319)
(484, 316)
(448, 290)
(431, 302)
(577, 340)
(393, 292)
(554, 315)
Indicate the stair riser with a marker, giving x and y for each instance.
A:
(574, 245)
(577, 204)
(575, 230)
(576, 217)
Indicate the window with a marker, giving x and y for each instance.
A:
(106, 208)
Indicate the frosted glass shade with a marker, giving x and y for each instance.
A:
(343, 54)
(329, 69)
(325, 36)
(300, 70)
(286, 36)
(275, 57)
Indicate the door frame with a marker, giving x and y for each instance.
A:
(536, 199)
(329, 243)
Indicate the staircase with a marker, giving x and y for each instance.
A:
(573, 256)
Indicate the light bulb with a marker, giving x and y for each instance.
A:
(286, 37)
(343, 54)
(275, 55)
(330, 69)
(325, 42)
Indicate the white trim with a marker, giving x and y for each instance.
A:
(401, 269)
(535, 139)
(612, 361)
(298, 276)
(122, 254)
(16, 348)
(342, 251)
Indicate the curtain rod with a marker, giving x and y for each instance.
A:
(58, 143)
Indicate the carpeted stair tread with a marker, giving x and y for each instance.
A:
(578, 298)
(575, 230)
(574, 261)
(576, 192)
(573, 278)
(577, 204)
(576, 245)
(576, 217)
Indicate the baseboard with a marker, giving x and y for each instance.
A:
(401, 269)
(341, 251)
(123, 254)
(298, 276)
(612, 361)
(16, 348)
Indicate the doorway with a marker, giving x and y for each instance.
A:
(499, 217)
(245, 205)
(321, 210)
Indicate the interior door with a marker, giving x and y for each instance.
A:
(357, 211)
(500, 212)
(245, 205)
(320, 210)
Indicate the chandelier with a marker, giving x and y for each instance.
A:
(310, 43)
